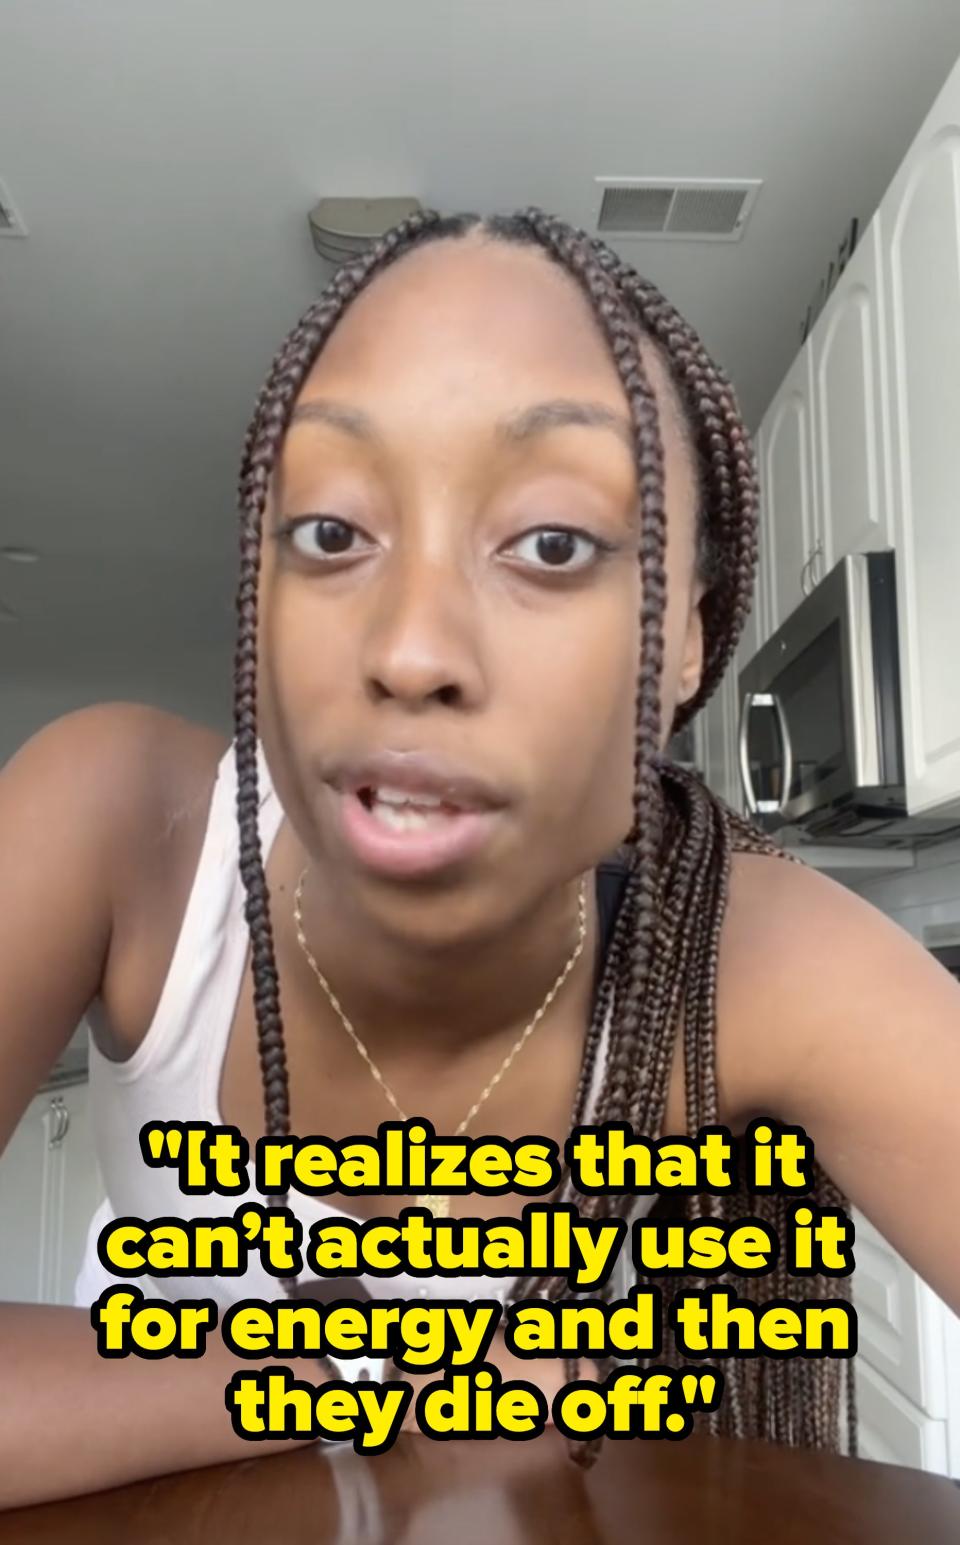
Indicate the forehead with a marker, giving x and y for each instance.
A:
(477, 323)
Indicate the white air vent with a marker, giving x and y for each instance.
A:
(10, 222)
(681, 210)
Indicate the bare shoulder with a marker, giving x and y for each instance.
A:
(101, 816)
(120, 768)
(783, 915)
(782, 905)
(801, 958)
(835, 1019)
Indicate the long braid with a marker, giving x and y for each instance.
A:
(261, 450)
(662, 964)
(625, 1053)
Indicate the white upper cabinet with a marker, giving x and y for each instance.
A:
(919, 234)
(860, 450)
(787, 477)
(849, 380)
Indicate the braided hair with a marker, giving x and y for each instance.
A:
(661, 967)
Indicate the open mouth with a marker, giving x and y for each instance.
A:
(411, 833)
(401, 812)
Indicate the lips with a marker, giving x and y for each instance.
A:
(406, 813)
(425, 779)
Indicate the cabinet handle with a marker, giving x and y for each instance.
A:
(810, 566)
(60, 1122)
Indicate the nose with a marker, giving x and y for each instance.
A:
(422, 644)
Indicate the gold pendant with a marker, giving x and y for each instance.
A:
(438, 1205)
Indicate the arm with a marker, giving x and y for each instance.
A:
(74, 806)
(72, 1422)
(848, 1028)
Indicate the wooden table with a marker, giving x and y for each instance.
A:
(704, 1491)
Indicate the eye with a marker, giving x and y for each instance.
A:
(323, 537)
(560, 548)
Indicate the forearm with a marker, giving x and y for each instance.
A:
(73, 1422)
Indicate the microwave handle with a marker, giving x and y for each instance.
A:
(754, 805)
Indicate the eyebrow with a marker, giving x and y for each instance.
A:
(523, 425)
(352, 421)
(560, 414)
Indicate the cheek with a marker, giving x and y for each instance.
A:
(306, 660)
(304, 674)
(581, 693)
(573, 705)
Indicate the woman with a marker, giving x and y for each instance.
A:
(490, 472)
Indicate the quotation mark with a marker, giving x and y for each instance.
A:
(703, 1383)
(170, 1142)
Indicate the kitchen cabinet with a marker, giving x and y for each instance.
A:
(849, 391)
(919, 235)
(791, 534)
(860, 449)
(892, 1429)
(908, 1384)
(50, 1187)
(824, 458)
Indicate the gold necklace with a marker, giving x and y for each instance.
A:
(440, 1205)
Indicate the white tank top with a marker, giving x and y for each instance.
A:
(175, 1075)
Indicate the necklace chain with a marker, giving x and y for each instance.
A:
(512, 1054)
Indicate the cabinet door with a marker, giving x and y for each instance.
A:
(901, 1322)
(919, 225)
(78, 1193)
(790, 494)
(893, 1430)
(24, 1188)
(50, 1188)
(952, 1361)
(849, 390)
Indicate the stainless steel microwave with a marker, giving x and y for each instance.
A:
(821, 728)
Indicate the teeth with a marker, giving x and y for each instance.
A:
(390, 796)
(403, 812)
(406, 818)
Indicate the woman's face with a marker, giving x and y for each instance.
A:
(450, 593)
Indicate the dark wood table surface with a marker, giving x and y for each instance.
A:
(704, 1491)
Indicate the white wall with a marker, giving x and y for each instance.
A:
(198, 688)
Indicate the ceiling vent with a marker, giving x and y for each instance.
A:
(10, 222)
(342, 228)
(675, 209)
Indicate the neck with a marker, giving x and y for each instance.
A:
(443, 996)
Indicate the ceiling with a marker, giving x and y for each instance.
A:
(164, 157)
